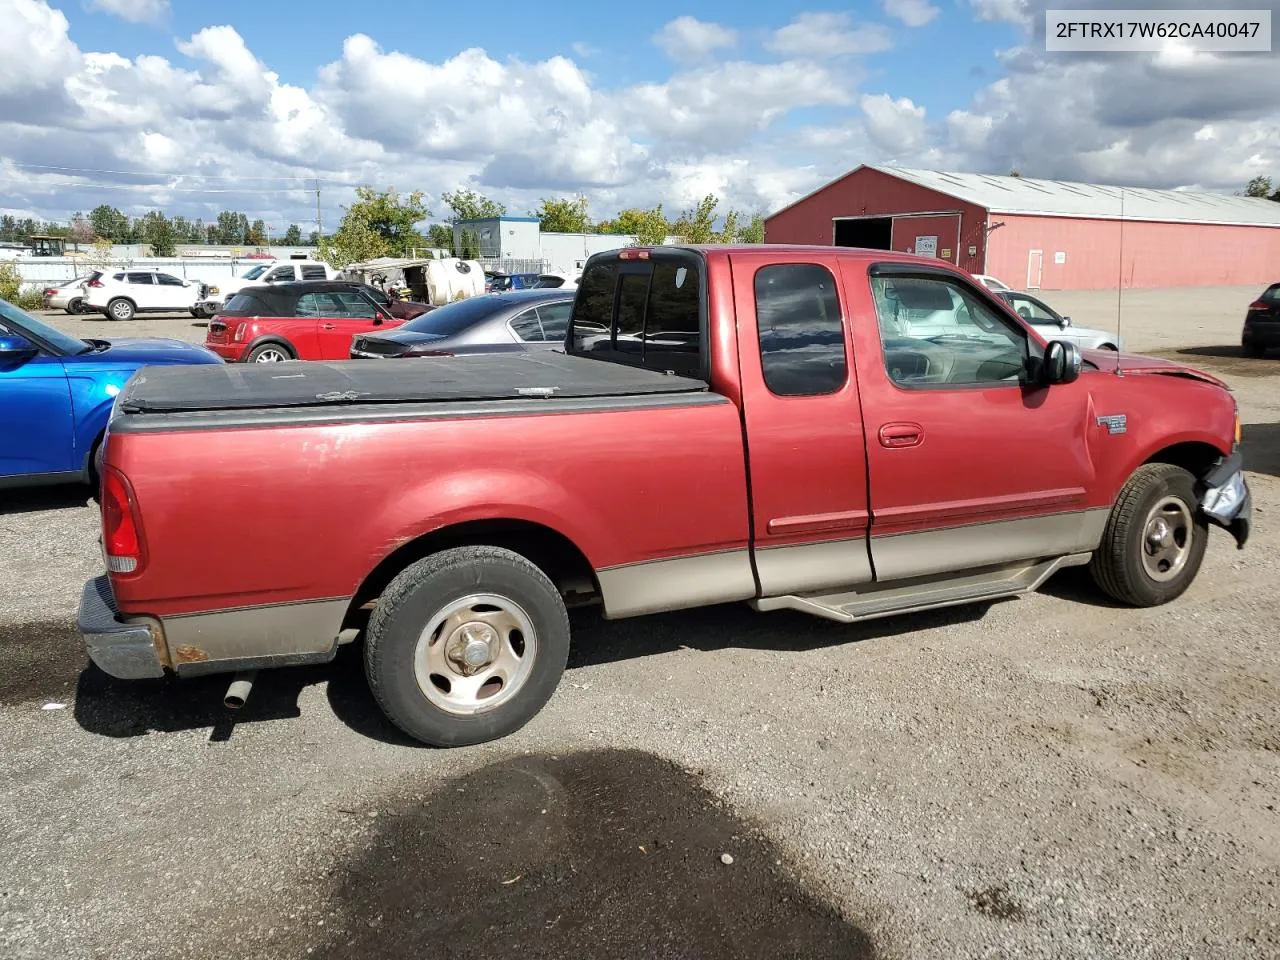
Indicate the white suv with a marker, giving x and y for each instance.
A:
(215, 295)
(120, 295)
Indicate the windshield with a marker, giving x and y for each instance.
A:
(255, 272)
(453, 318)
(20, 322)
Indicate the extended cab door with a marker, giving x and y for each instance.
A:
(969, 462)
(806, 449)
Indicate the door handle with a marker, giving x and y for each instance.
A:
(326, 326)
(895, 435)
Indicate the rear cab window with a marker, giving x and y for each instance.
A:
(648, 312)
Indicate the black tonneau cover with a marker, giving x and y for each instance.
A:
(257, 386)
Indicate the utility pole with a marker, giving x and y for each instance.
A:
(319, 222)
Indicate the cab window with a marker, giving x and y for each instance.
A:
(802, 349)
(936, 333)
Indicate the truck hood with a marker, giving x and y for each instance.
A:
(1136, 364)
(141, 351)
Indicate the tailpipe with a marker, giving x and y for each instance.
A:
(239, 690)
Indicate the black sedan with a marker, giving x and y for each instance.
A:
(1262, 323)
(516, 321)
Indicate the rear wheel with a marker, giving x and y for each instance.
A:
(1255, 350)
(1154, 540)
(76, 307)
(269, 353)
(120, 309)
(466, 646)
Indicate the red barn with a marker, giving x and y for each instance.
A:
(1044, 234)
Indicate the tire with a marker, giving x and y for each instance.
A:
(1124, 566)
(1255, 350)
(120, 309)
(269, 353)
(76, 307)
(418, 686)
(1109, 346)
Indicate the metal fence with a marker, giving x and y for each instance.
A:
(507, 265)
(40, 272)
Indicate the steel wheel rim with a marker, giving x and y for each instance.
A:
(1167, 536)
(120, 311)
(270, 355)
(475, 654)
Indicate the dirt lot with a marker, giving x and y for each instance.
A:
(1046, 777)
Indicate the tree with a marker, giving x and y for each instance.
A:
(292, 237)
(1258, 187)
(258, 233)
(233, 227)
(695, 226)
(1015, 173)
(563, 216)
(440, 236)
(81, 229)
(469, 205)
(110, 223)
(755, 232)
(158, 232)
(355, 240)
(649, 227)
(392, 219)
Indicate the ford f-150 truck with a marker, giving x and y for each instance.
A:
(849, 433)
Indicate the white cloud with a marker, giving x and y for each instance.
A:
(135, 11)
(583, 50)
(914, 13)
(688, 38)
(1008, 11)
(896, 126)
(821, 35)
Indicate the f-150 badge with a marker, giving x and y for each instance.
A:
(1115, 423)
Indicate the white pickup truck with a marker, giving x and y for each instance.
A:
(214, 295)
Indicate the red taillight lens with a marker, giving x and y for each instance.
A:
(121, 535)
(49, 291)
(1258, 305)
(94, 283)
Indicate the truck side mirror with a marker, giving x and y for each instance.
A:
(1062, 362)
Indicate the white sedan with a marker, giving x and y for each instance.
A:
(1054, 326)
(991, 283)
(68, 295)
(121, 295)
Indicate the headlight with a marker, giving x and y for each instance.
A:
(214, 290)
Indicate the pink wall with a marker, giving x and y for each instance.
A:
(1155, 254)
(866, 192)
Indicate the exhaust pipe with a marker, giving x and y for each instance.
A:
(238, 692)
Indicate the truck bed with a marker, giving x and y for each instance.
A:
(477, 377)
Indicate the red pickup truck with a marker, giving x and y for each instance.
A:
(849, 433)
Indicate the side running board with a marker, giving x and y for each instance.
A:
(908, 596)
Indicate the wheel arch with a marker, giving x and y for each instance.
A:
(273, 338)
(562, 560)
(1197, 457)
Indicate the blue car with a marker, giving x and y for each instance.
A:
(56, 394)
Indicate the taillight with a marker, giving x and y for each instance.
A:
(50, 291)
(423, 351)
(94, 283)
(240, 329)
(121, 535)
(1258, 305)
(633, 254)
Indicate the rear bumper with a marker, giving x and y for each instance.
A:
(230, 352)
(1261, 334)
(123, 650)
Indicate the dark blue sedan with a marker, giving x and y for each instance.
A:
(56, 394)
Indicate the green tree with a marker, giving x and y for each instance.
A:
(109, 223)
(391, 218)
(697, 225)
(258, 233)
(563, 215)
(754, 233)
(440, 236)
(1259, 187)
(292, 237)
(469, 205)
(233, 227)
(354, 240)
(158, 232)
(649, 227)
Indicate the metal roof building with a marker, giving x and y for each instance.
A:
(1044, 234)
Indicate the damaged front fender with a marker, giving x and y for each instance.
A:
(1226, 500)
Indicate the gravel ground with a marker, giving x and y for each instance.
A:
(1045, 777)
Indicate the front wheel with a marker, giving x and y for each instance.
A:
(466, 646)
(1154, 540)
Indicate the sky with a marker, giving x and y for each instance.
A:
(195, 107)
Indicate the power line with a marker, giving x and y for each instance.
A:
(159, 186)
(147, 173)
